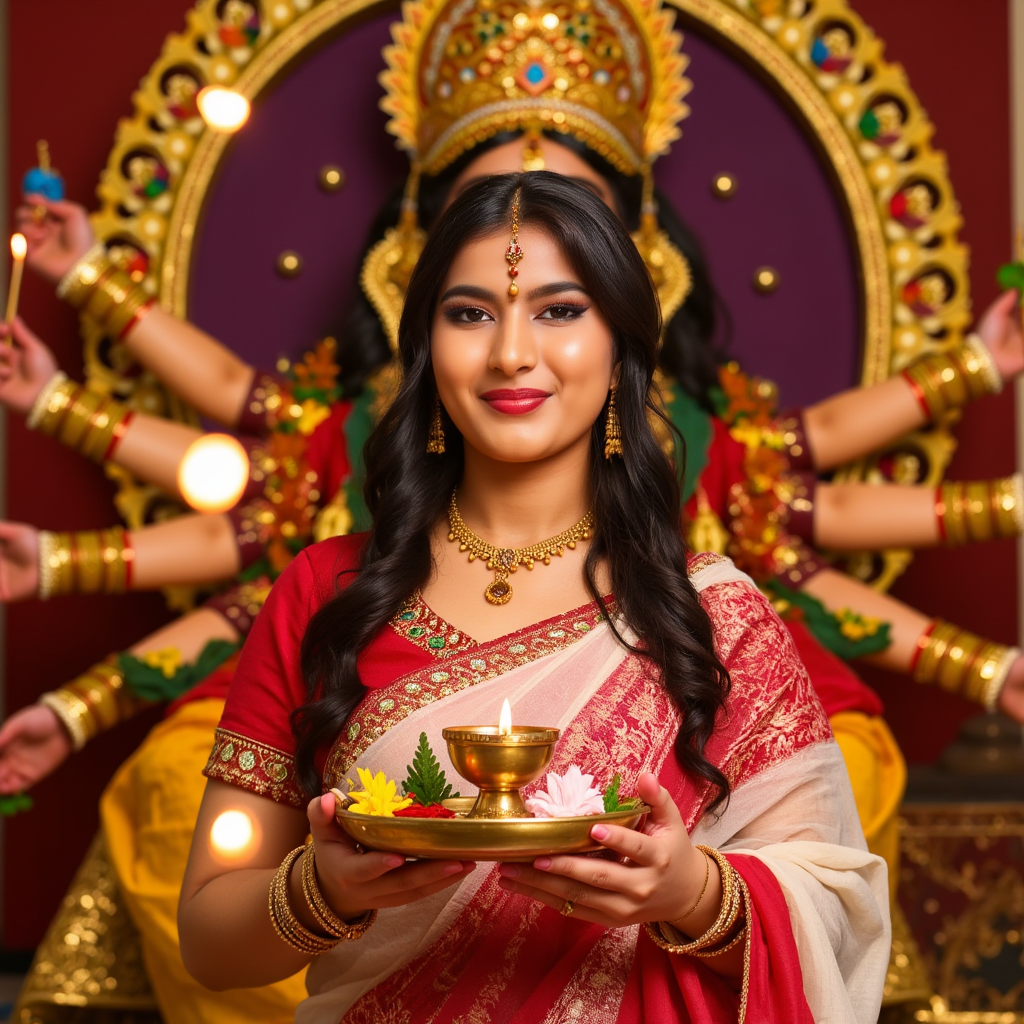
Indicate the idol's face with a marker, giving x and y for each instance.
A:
(523, 378)
(508, 159)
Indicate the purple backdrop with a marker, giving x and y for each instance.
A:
(784, 214)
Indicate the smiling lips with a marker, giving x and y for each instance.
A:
(515, 402)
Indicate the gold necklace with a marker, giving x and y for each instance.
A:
(507, 560)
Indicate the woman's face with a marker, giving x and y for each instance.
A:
(522, 378)
(559, 159)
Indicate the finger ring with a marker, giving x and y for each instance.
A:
(567, 909)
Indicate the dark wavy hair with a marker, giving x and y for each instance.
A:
(690, 353)
(636, 498)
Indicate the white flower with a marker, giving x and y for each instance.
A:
(568, 795)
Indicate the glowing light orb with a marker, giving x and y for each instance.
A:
(213, 474)
(224, 110)
(232, 832)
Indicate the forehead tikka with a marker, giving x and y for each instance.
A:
(513, 254)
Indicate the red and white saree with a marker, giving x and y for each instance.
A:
(819, 936)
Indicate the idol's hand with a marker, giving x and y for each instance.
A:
(19, 562)
(660, 882)
(353, 882)
(33, 744)
(1000, 329)
(1011, 697)
(58, 241)
(26, 366)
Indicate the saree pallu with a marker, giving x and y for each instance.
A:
(818, 936)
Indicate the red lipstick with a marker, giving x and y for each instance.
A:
(515, 401)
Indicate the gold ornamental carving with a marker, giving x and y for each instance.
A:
(869, 125)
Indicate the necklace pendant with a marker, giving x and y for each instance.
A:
(499, 591)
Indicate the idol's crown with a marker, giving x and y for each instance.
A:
(609, 72)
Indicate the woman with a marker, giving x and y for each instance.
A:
(542, 362)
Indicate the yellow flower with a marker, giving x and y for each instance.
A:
(167, 659)
(313, 414)
(377, 795)
(856, 627)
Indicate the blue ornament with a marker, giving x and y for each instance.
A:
(820, 52)
(38, 182)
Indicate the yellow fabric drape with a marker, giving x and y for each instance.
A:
(148, 813)
(878, 774)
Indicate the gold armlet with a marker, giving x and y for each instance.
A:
(85, 420)
(326, 919)
(947, 380)
(962, 663)
(665, 936)
(981, 510)
(93, 703)
(289, 928)
(90, 562)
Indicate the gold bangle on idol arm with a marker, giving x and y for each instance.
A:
(503, 561)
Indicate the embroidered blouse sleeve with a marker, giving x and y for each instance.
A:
(254, 747)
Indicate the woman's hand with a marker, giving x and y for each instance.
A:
(26, 366)
(1011, 697)
(33, 744)
(1000, 329)
(660, 882)
(353, 883)
(19, 562)
(59, 240)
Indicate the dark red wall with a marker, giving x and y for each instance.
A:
(72, 70)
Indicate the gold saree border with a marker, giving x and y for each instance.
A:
(257, 767)
(380, 710)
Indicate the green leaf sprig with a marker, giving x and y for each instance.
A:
(427, 781)
(612, 802)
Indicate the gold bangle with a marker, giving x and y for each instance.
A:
(51, 414)
(126, 311)
(88, 562)
(707, 954)
(289, 928)
(951, 378)
(981, 509)
(982, 373)
(73, 713)
(963, 663)
(56, 574)
(77, 284)
(42, 402)
(107, 701)
(324, 916)
(733, 903)
(703, 889)
(85, 420)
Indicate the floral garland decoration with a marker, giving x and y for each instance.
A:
(760, 506)
(283, 516)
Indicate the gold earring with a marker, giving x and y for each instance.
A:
(435, 439)
(612, 432)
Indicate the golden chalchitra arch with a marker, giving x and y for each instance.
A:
(868, 123)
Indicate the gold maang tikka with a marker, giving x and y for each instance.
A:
(513, 253)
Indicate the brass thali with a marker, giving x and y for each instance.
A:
(483, 839)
